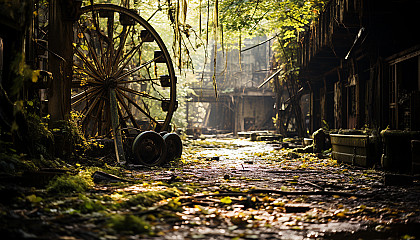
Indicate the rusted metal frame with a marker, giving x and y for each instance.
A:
(127, 59)
(269, 78)
(137, 106)
(127, 109)
(139, 93)
(295, 107)
(48, 50)
(122, 76)
(91, 51)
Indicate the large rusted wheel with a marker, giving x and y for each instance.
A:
(119, 57)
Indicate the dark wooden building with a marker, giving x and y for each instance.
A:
(361, 61)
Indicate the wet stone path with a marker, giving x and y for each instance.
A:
(336, 200)
(223, 189)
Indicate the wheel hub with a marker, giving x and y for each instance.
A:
(110, 83)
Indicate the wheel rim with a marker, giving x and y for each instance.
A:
(149, 149)
(116, 49)
(173, 146)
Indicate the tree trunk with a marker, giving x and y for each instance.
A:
(60, 42)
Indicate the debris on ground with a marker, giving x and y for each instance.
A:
(219, 189)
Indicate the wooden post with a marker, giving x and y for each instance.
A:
(60, 42)
(113, 107)
(187, 114)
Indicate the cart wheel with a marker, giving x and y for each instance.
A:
(118, 51)
(149, 149)
(173, 146)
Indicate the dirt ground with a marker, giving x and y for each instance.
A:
(222, 189)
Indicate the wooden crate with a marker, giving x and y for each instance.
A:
(353, 149)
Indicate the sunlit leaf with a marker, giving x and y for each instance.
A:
(226, 200)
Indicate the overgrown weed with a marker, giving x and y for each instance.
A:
(70, 183)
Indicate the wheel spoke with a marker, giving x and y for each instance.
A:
(127, 109)
(107, 129)
(90, 74)
(131, 71)
(126, 59)
(91, 106)
(153, 86)
(95, 18)
(97, 123)
(145, 106)
(78, 81)
(122, 122)
(91, 51)
(123, 40)
(139, 80)
(87, 63)
(141, 94)
(99, 115)
(137, 106)
(84, 96)
(110, 49)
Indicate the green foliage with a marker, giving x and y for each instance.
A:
(129, 224)
(147, 199)
(41, 137)
(325, 125)
(287, 18)
(69, 132)
(70, 184)
(23, 73)
(13, 163)
(33, 199)
(88, 205)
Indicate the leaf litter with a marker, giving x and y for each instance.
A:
(220, 189)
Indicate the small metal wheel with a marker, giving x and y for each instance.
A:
(173, 146)
(149, 149)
